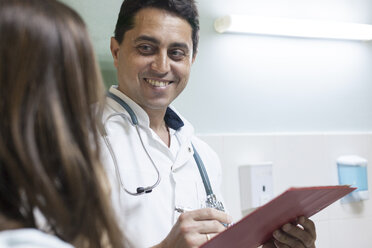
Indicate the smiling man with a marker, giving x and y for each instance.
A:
(153, 50)
(153, 157)
(153, 62)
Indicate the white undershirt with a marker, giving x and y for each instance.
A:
(174, 142)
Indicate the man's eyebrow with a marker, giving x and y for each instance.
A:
(147, 38)
(157, 42)
(180, 45)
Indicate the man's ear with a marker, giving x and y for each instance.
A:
(193, 57)
(115, 48)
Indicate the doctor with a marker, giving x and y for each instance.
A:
(153, 49)
(158, 190)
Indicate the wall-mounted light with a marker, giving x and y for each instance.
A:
(293, 27)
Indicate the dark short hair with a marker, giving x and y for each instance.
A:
(185, 9)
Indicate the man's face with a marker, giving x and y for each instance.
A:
(153, 61)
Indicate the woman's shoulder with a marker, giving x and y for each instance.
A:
(30, 238)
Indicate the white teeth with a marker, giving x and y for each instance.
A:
(157, 83)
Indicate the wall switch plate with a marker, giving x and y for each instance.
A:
(256, 184)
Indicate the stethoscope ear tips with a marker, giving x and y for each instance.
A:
(141, 190)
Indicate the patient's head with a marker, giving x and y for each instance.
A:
(49, 153)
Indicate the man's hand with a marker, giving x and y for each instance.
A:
(301, 234)
(194, 228)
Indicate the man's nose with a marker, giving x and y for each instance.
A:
(161, 63)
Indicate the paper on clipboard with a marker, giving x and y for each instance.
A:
(257, 227)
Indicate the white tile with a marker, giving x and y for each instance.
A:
(242, 149)
(299, 161)
(239, 150)
(344, 144)
(322, 215)
(347, 233)
(323, 239)
(360, 209)
(214, 141)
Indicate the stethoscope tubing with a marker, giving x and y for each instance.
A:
(134, 121)
(140, 190)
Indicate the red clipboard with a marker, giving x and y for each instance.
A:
(256, 228)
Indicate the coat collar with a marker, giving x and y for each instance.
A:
(171, 118)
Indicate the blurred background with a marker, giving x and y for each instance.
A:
(297, 103)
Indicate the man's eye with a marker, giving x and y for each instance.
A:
(145, 49)
(177, 54)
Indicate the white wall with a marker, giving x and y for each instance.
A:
(271, 84)
(265, 84)
(301, 160)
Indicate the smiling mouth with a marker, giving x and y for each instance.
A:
(157, 83)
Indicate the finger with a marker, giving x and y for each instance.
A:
(286, 239)
(209, 226)
(308, 225)
(297, 232)
(212, 235)
(269, 244)
(211, 214)
(202, 238)
(280, 245)
(199, 239)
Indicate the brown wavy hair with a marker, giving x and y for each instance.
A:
(49, 139)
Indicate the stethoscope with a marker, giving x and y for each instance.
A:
(211, 201)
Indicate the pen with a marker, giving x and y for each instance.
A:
(183, 210)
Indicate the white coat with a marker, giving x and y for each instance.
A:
(30, 238)
(147, 219)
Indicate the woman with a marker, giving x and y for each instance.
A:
(50, 174)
